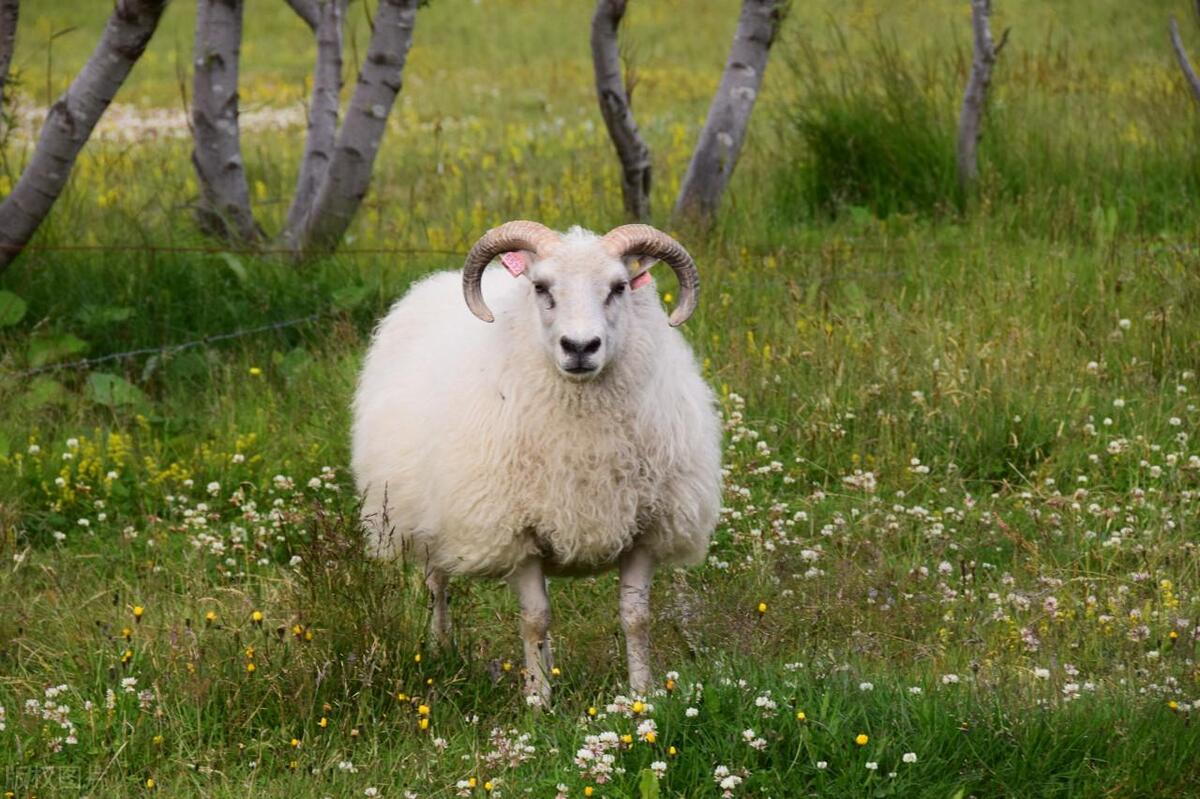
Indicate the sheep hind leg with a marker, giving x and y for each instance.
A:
(439, 607)
(529, 584)
(637, 573)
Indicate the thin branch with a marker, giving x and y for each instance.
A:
(71, 120)
(970, 120)
(1184, 64)
(9, 11)
(720, 142)
(616, 109)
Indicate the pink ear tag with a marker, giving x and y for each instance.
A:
(640, 280)
(514, 262)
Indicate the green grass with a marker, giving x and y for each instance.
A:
(1017, 374)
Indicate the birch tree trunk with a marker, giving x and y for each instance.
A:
(217, 155)
(616, 108)
(71, 119)
(724, 131)
(970, 120)
(9, 11)
(322, 116)
(1185, 65)
(349, 171)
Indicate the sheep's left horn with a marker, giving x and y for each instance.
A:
(644, 240)
(516, 235)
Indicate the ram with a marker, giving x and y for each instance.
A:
(572, 436)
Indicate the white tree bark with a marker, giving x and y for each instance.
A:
(616, 108)
(970, 120)
(724, 131)
(1184, 64)
(217, 156)
(322, 116)
(349, 172)
(71, 120)
(9, 11)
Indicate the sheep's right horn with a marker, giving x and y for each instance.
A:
(511, 236)
(627, 240)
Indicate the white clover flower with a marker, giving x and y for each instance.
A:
(822, 764)
(213, 488)
(1124, 324)
(949, 679)
(909, 757)
(866, 686)
(872, 765)
(691, 712)
(1041, 674)
(915, 690)
(34, 449)
(659, 768)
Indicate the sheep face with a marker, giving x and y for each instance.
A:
(581, 295)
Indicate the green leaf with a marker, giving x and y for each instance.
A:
(295, 363)
(45, 350)
(648, 785)
(12, 309)
(112, 390)
(102, 315)
(959, 793)
(347, 298)
(235, 266)
(43, 391)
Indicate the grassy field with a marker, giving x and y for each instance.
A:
(959, 551)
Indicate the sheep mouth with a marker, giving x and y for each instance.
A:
(579, 370)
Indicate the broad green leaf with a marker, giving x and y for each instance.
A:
(45, 350)
(43, 391)
(347, 298)
(12, 309)
(112, 390)
(648, 785)
(101, 315)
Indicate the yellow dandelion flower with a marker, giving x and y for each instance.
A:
(588, 791)
(1173, 705)
(295, 743)
(417, 658)
(800, 716)
(158, 740)
(507, 666)
(861, 739)
(210, 617)
(150, 783)
(1173, 635)
(668, 297)
(651, 737)
(556, 672)
(672, 751)
(487, 786)
(591, 711)
(138, 610)
(308, 635)
(323, 723)
(423, 710)
(126, 633)
(627, 739)
(255, 371)
(403, 697)
(250, 668)
(423, 724)
(256, 617)
(472, 782)
(762, 608)
(297, 630)
(638, 706)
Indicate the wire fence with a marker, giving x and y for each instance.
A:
(839, 248)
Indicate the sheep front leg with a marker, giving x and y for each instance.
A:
(439, 607)
(637, 572)
(529, 583)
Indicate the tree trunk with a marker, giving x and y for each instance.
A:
(1184, 64)
(322, 117)
(616, 108)
(9, 10)
(970, 120)
(71, 120)
(307, 10)
(349, 171)
(217, 156)
(724, 131)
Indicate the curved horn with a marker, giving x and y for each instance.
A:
(627, 240)
(516, 235)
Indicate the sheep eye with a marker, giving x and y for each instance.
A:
(540, 288)
(617, 290)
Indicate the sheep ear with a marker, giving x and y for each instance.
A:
(516, 262)
(639, 267)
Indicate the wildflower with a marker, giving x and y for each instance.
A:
(949, 679)
(672, 751)
(800, 716)
(150, 783)
(861, 739)
(488, 786)
(255, 371)
(417, 658)
(257, 617)
(323, 723)
(639, 707)
(659, 768)
(423, 724)
(423, 710)
(872, 765)
(691, 712)
(909, 757)
(371, 792)
(138, 610)
(295, 743)
(210, 617)
(866, 686)
(591, 711)
(588, 790)
(250, 668)
(626, 739)
(1041, 674)
(822, 764)
(762, 608)
(556, 672)
(1172, 705)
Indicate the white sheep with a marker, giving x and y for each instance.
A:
(572, 436)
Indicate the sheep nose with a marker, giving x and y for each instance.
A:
(579, 348)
